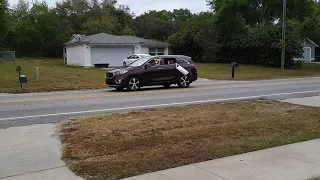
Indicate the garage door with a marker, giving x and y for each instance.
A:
(307, 54)
(112, 55)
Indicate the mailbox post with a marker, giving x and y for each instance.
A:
(37, 73)
(234, 65)
(22, 78)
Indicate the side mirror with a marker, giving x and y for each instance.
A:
(147, 65)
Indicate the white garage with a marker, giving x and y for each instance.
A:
(101, 49)
(110, 55)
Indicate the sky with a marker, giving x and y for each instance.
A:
(140, 6)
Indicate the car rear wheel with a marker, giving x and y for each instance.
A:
(184, 82)
(133, 84)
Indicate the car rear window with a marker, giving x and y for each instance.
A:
(185, 60)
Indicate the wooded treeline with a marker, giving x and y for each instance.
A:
(246, 31)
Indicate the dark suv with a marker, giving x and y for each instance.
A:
(154, 70)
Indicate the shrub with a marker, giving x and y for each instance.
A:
(262, 46)
(297, 64)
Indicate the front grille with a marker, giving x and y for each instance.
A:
(109, 75)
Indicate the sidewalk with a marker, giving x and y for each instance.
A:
(32, 153)
(290, 162)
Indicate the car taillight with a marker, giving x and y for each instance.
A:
(195, 66)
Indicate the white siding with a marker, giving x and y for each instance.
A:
(166, 51)
(75, 55)
(87, 55)
(137, 49)
(144, 50)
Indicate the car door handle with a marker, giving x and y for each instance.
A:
(160, 68)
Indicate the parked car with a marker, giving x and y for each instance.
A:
(154, 70)
(133, 58)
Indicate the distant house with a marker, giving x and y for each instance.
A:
(309, 51)
(82, 50)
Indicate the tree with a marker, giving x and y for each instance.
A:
(183, 41)
(260, 12)
(181, 14)
(154, 25)
(3, 19)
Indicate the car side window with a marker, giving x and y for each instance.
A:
(182, 61)
(169, 61)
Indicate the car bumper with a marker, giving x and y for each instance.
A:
(194, 77)
(115, 82)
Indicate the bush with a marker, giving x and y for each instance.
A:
(262, 46)
(297, 64)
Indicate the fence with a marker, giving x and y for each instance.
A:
(8, 54)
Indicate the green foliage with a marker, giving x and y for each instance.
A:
(297, 64)
(3, 19)
(183, 42)
(244, 31)
(263, 47)
(238, 30)
(160, 24)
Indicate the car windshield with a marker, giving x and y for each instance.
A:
(139, 62)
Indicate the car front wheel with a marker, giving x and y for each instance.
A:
(133, 84)
(124, 64)
(184, 82)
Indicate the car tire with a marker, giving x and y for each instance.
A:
(124, 64)
(166, 85)
(119, 88)
(184, 81)
(134, 83)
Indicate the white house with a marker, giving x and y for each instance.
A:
(309, 51)
(97, 49)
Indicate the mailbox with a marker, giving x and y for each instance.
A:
(234, 64)
(23, 78)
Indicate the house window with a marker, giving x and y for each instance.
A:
(153, 51)
(156, 51)
(160, 51)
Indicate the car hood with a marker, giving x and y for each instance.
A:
(120, 69)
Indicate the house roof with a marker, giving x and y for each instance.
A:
(103, 38)
(311, 42)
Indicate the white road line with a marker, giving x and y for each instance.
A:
(158, 105)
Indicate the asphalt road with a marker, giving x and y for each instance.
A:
(44, 108)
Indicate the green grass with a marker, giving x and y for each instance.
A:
(314, 178)
(54, 76)
(252, 72)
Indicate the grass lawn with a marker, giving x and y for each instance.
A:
(314, 178)
(121, 145)
(54, 76)
(252, 72)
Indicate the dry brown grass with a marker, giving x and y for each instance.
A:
(121, 145)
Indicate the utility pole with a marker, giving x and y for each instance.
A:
(284, 18)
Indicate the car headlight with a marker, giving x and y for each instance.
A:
(120, 73)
